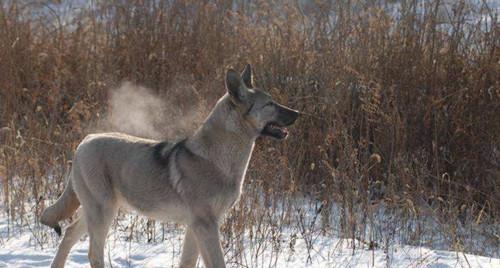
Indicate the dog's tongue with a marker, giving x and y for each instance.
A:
(282, 131)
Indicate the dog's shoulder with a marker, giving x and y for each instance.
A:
(164, 149)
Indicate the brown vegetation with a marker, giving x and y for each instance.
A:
(402, 108)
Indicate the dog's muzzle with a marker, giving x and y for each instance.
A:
(277, 129)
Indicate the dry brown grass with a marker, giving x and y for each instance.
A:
(421, 94)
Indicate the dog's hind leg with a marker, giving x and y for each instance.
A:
(98, 222)
(73, 232)
(189, 251)
(98, 201)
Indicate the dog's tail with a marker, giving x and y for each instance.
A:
(64, 207)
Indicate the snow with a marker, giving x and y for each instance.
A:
(20, 248)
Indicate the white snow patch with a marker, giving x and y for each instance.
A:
(20, 249)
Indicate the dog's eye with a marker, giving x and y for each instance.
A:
(249, 109)
(269, 104)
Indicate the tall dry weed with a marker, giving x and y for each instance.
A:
(414, 83)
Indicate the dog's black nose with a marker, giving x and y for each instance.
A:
(292, 115)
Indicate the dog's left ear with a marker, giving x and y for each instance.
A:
(247, 76)
(235, 86)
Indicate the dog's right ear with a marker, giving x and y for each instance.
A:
(235, 86)
(247, 76)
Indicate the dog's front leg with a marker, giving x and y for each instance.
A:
(207, 238)
(189, 251)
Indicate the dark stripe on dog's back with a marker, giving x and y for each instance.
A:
(163, 150)
(158, 151)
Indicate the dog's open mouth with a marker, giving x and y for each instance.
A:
(275, 131)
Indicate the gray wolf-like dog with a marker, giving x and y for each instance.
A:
(192, 182)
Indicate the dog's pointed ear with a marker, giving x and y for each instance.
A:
(234, 86)
(247, 76)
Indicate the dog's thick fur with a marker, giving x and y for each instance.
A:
(193, 181)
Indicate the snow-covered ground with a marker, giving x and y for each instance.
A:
(20, 248)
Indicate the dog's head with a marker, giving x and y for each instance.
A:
(257, 109)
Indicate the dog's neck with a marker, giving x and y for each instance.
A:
(224, 140)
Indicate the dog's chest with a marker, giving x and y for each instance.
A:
(226, 196)
(222, 203)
